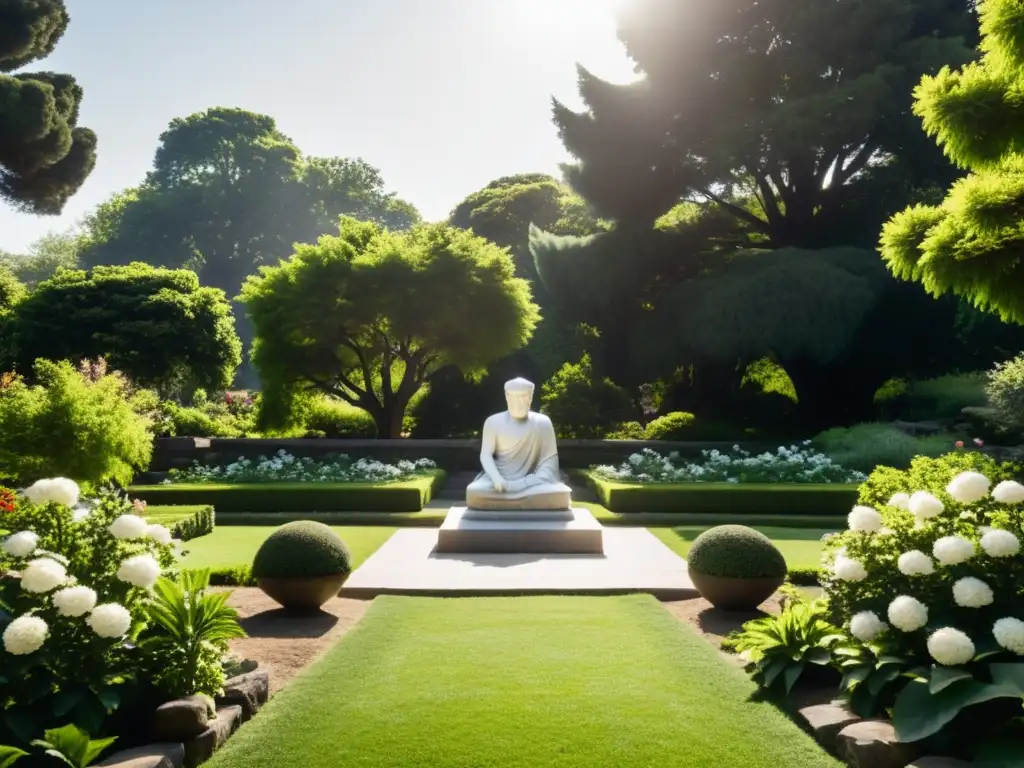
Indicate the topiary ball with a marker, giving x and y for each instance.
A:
(738, 552)
(302, 550)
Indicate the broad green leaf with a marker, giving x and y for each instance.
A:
(110, 698)
(67, 700)
(943, 677)
(792, 674)
(22, 724)
(918, 713)
(95, 749)
(10, 755)
(878, 679)
(819, 656)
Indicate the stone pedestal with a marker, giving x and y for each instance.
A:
(575, 532)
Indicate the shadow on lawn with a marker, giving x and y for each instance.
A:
(281, 623)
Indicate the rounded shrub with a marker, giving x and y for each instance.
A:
(1005, 390)
(735, 551)
(303, 549)
(671, 426)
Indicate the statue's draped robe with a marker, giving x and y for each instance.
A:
(526, 456)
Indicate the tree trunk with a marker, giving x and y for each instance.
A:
(389, 419)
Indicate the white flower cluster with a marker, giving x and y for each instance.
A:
(57, 490)
(792, 464)
(946, 645)
(283, 467)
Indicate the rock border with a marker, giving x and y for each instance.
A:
(188, 731)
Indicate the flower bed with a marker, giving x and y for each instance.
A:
(923, 613)
(793, 464)
(390, 496)
(285, 468)
(795, 500)
(94, 637)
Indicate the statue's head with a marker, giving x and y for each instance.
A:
(519, 396)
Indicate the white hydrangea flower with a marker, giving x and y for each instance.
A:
(1008, 492)
(1009, 633)
(866, 626)
(55, 489)
(43, 575)
(159, 533)
(864, 519)
(951, 550)
(900, 501)
(21, 544)
(950, 647)
(110, 620)
(969, 487)
(924, 506)
(908, 614)
(74, 601)
(141, 571)
(128, 527)
(848, 569)
(25, 635)
(915, 563)
(972, 593)
(998, 543)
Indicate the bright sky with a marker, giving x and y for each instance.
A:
(442, 95)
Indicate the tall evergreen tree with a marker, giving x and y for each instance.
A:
(792, 115)
(972, 244)
(45, 156)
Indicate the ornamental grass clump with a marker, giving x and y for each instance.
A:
(735, 551)
(929, 583)
(299, 550)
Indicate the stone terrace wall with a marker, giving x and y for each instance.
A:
(450, 455)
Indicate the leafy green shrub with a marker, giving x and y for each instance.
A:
(671, 426)
(736, 551)
(944, 397)
(302, 549)
(86, 570)
(192, 422)
(630, 430)
(69, 425)
(866, 446)
(1005, 392)
(927, 581)
(336, 418)
(232, 576)
(188, 635)
(199, 523)
(779, 649)
(805, 577)
(583, 406)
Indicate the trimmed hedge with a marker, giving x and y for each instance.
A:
(735, 551)
(185, 522)
(724, 498)
(405, 496)
(302, 550)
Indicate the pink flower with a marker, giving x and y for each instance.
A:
(139, 505)
(228, 398)
(979, 442)
(959, 443)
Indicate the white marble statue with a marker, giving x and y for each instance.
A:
(519, 458)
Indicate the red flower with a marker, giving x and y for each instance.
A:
(8, 500)
(959, 443)
(228, 398)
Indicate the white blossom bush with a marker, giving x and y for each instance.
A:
(788, 464)
(929, 580)
(285, 468)
(74, 589)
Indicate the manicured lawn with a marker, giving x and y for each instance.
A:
(236, 545)
(800, 546)
(528, 681)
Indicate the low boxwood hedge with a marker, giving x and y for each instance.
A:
(185, 522)
(405, 496)
(724, 498)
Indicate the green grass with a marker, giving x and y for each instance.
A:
(521, 682)
(230, 546)
(800, 546)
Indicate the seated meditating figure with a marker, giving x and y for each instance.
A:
(519, 458)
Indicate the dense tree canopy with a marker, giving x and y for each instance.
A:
(157, 326)
(57, 250)
(791, 115)
(45, 156)
(369, 315)
(229, 192)
(973, 243)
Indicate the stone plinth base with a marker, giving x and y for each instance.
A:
(512, 533)
(505, 515)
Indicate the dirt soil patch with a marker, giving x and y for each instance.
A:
(285, 643)
(714, 624)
